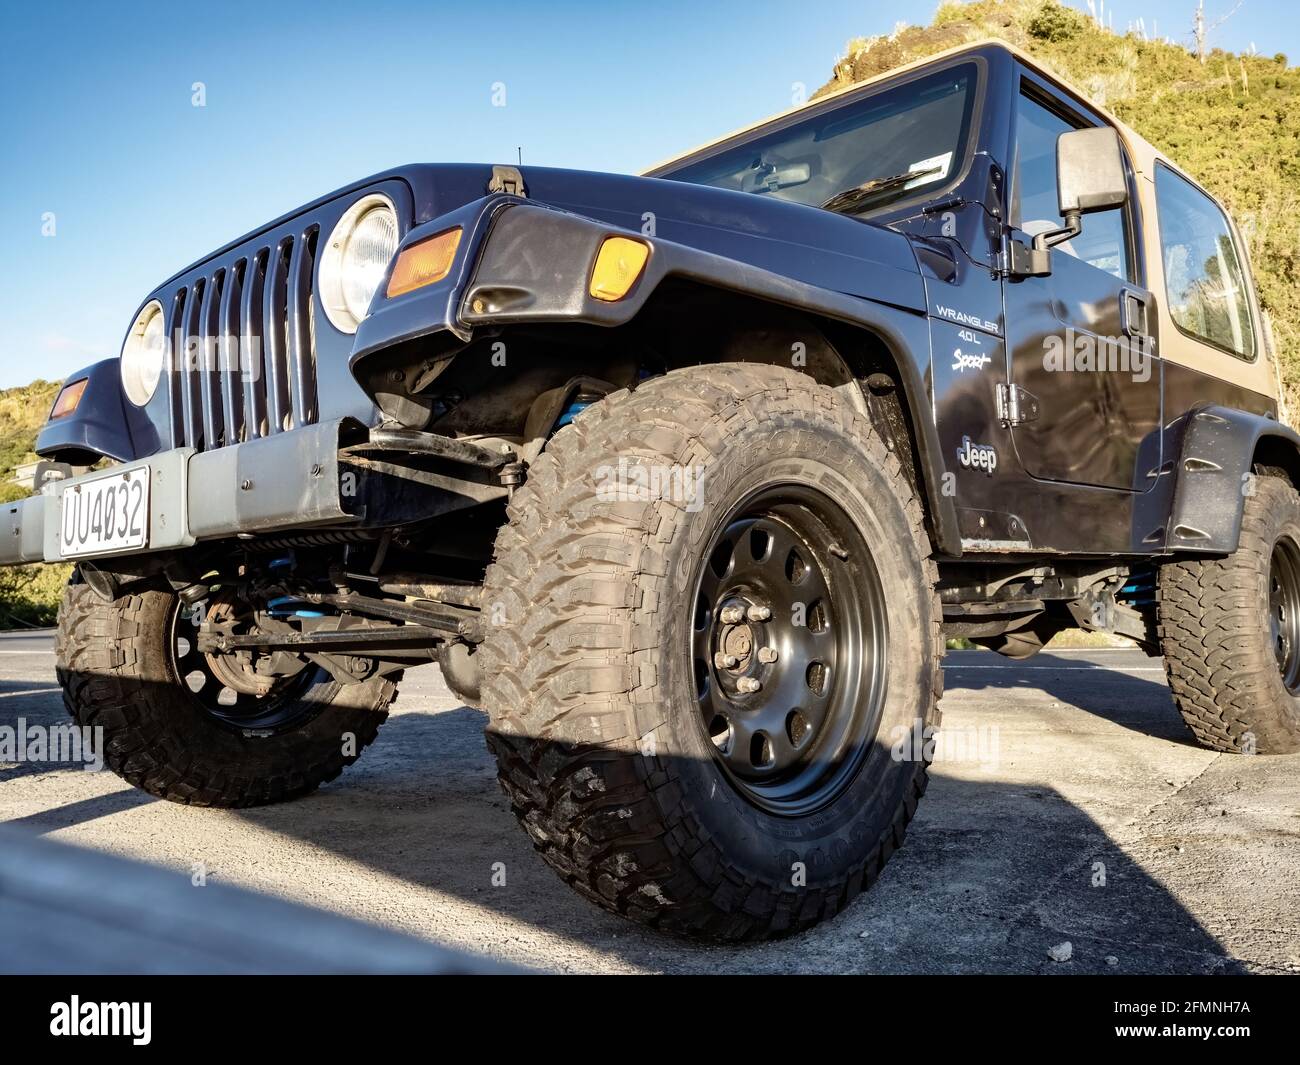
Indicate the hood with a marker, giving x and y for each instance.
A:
(817, 247)
(807, 244)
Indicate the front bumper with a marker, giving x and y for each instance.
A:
(290, 480)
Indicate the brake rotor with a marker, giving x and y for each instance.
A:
(235, 669)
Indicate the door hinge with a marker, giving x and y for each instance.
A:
(1015, 405)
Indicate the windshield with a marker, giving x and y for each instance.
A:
(857, 157)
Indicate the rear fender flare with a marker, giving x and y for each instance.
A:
(1213, 475)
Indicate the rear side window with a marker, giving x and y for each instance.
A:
(1204, 279)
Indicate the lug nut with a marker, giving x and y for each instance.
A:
(725, 661)
(767, 655)
(747, 685)
(730, 615)
(758, 613)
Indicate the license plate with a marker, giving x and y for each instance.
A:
(109, 513)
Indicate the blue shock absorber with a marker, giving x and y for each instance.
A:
(1140, 588)
(572, 411)
(286, 606)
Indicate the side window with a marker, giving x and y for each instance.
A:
(1104, 240)
(1204, 279)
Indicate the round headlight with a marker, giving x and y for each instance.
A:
(144, 353)
(355, 259)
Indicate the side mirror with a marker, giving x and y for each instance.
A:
(1089, 177)
(1089, 171)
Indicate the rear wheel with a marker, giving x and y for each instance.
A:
(205, 730)
(1230, 631)
(713, 638)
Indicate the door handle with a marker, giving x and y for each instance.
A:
(1133, 314)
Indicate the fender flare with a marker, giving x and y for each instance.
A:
(104, 424)
(1212, 475)
(532, 266)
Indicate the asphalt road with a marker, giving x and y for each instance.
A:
(1069, 804)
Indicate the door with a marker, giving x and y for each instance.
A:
(1084, 387)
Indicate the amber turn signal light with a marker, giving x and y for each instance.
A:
(68, 399)
(424, 262)
(618, 265)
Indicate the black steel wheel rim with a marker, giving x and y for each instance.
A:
(788, 645)
(280, 709)
(1284, 610)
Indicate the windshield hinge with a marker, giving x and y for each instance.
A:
(509, 180)
(1024, 260)
(1015, 405)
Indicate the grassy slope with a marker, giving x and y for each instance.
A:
(22, 413)
(29, 595)
(1233, 123)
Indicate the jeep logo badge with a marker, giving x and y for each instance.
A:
(977, 456)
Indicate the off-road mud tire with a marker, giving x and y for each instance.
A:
(592, 716)
(117, 674)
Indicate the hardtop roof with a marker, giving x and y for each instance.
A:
(1143, 154)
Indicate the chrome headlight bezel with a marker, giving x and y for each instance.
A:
(144, 354)
(344, 310)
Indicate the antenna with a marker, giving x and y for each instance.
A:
(520, 150)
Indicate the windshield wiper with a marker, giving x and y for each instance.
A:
(858, 197)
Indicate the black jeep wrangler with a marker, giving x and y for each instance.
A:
(684, 479)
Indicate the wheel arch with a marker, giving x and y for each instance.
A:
(879, 365)
(102, 425)
(688, 306)
(1221, 449)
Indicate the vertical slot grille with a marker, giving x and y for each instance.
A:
(252, 363)
(302, 357)
(245, 334)
(232, 386)
(209, 382)
(275, 342)
(191, 404)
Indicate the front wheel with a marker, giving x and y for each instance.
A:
(713, 653)
(198, 729)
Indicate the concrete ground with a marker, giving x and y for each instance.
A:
(1069, 804)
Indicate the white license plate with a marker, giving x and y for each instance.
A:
(109, 513)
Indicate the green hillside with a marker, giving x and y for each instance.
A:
(29, 595)
(22, 413)
(1232, 122)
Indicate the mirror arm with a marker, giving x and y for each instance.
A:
(1035, 260)
(1053, 237)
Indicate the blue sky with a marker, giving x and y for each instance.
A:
(98, 129)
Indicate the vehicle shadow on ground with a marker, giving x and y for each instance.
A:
(12, 687)
(1140, 703)
(991, 877)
